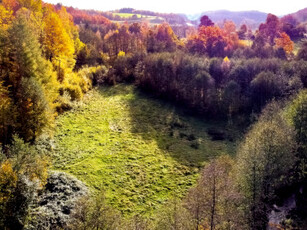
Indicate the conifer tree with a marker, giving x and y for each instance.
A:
(31, 83)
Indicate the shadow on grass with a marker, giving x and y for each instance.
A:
(181, 136)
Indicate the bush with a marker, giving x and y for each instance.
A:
(94, 213)
(64, 103)
(74, 91)
(100, 74)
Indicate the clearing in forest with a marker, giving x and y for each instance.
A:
(137, 149)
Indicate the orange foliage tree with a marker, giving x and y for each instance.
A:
(284, 42)
(213, 40)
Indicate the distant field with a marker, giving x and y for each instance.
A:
(152, 20)
(137, 149)
(127, 15)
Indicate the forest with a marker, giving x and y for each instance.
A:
(109, 122)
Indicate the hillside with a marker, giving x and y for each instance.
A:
(124, 15)
(300, 16)
(141, 151)
(251, 18)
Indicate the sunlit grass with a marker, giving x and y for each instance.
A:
(137, 149)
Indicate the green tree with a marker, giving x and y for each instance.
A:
(298, 112)
(174, 217)
(265, 87)
(264, 161)
(94, 213)
(302, 53)
(213, 202)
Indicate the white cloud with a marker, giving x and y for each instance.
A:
(278, 7)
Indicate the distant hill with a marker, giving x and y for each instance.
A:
(125, 15)
(300, 16)
(252, 18)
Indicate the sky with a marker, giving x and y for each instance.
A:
(278, 7)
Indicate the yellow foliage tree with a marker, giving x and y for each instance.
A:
(6, 17)
(121, 54)
(8, 181)
(57, 41)
(34, 5)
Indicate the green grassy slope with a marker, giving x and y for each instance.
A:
(137, 149)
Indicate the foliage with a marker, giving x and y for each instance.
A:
(94, 213)
(5, 17)
(174, 216)
(213, 202)
(298, 117)
(23, 173)
(266, 86)
(302, 53)
(31, 84)
(285, 43)
(57, 41)
(205, 21)
(8, 181)
(265, 159)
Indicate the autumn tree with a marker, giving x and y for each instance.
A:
(30, 80)
(205, 21)
(33, 5)
(90, 54)
(7, 116)
(271, 28)
(214, 40)
(291, 26)
(230, 34)
(284, 42)
(57, 41)
(195, 45)
(162, 38)
(242, 33)
(261, 46)
(12, 5)
(138, 34)
(6, 17)
(23, 172)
